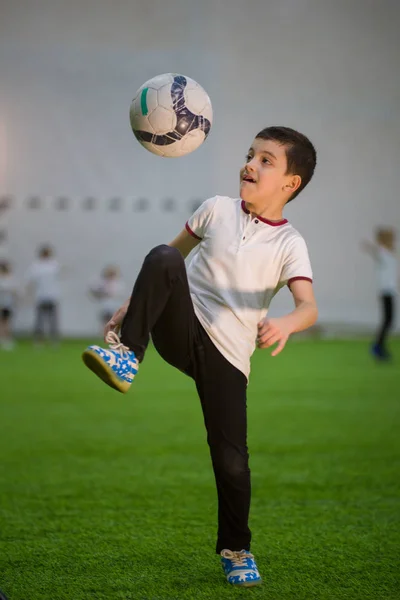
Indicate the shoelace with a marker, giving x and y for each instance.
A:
(238, 558)
(115, 343)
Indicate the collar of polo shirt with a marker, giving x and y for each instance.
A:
(267, 221)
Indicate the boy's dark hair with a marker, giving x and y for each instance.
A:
(301, 155)
(385, 236)
(45, 251)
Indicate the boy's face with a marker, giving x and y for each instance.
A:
(263, 177)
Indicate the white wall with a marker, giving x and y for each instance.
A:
(67, 75)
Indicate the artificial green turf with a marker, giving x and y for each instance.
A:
(112, 496)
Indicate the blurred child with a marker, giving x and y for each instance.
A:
(8, 297)
(110, 291)
(44, 276)
(383, 252)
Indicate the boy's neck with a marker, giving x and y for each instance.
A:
(271, 212)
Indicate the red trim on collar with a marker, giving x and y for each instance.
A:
(244, 207)
(192, 233)
(267, 221)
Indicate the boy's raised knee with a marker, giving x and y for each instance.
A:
(164, 256)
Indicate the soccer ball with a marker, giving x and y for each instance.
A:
(171, 115)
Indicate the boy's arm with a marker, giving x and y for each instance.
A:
(272, 331)
(371, 249)
(185, 242)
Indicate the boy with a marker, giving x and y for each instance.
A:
(8, 297)
(206, 321)
(44, 276)
(383, 252)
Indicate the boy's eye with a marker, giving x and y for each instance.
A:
(248, 157)
(265, 160)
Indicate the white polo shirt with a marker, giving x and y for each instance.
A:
(44, 274)
(236, 270)
(387, 272)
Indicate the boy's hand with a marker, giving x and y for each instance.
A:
(271, 331)
(114, 324)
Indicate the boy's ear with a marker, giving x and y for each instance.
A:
(293, 184)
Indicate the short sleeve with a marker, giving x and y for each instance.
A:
(297, 264)
(381, 254)
(198, 222)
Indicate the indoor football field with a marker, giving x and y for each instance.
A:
(110, 496)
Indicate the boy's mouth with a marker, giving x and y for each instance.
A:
(248, 178)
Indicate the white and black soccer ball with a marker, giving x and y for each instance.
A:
(171, 115)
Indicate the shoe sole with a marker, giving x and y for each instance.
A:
(102, 370)
(246, 583)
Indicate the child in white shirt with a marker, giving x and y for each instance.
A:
(383, 252)
(8, 297)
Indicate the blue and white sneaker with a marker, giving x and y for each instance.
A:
(117, 366)
(240, 568)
